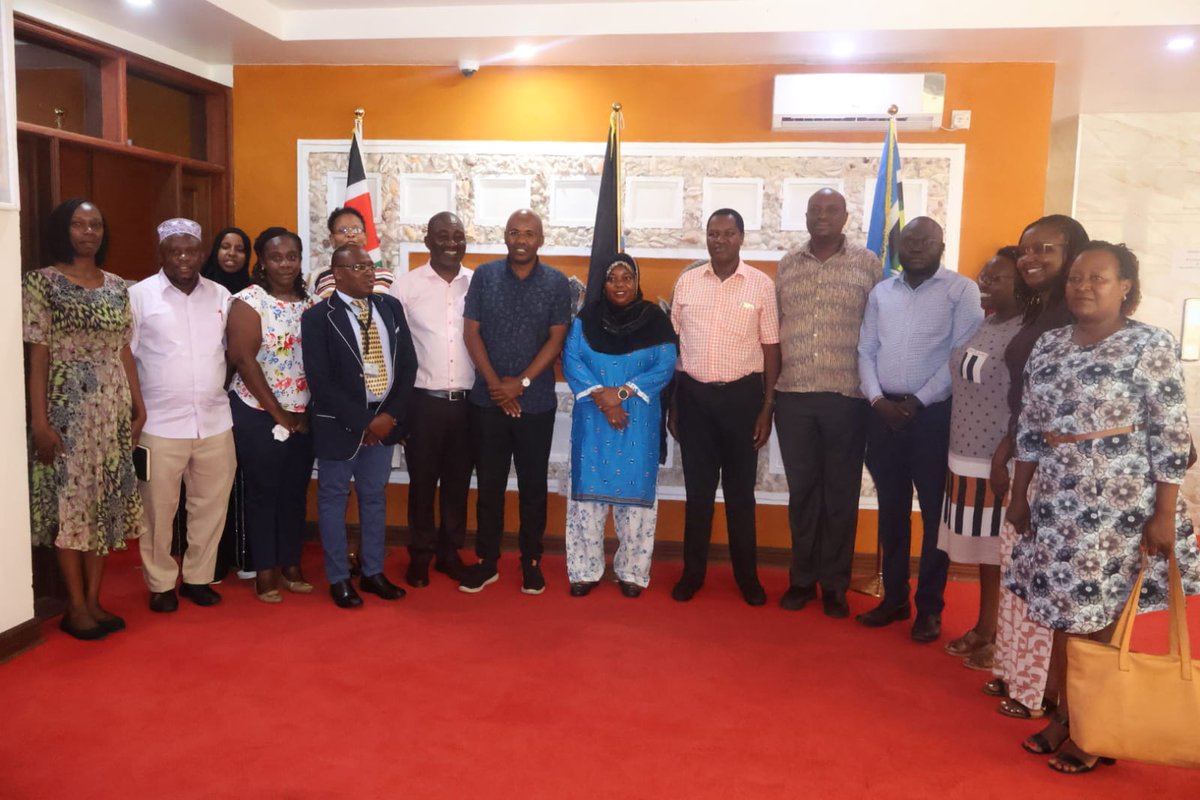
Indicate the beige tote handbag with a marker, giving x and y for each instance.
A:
(1137, 706)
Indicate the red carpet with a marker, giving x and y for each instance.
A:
(448, 695)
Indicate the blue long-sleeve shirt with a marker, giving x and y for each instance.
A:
(907, 335)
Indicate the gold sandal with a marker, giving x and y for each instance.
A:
(966, 644)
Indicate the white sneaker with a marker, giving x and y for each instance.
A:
(246, 574)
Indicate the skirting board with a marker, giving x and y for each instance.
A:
(20, 638)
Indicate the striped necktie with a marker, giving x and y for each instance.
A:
(375, 369)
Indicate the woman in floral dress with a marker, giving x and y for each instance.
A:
(268, 396)
(1104, 427)
(86, 412)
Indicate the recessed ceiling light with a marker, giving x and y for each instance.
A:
(140, 3)
(1181, 43)
(843, 48)
(524, 51)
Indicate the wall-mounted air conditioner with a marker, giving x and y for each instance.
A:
(845, 101)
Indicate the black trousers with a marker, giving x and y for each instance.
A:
(500, 442)
(822, 436)
(437, 451)
(899, 460)
(716, 440)
(274, 479)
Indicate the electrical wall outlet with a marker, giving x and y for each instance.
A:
(960, 120)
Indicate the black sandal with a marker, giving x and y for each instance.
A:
(1077, 766)
(996, 688)
(1039, 744)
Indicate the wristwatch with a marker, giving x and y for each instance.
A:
(525, 383)
(623, 393)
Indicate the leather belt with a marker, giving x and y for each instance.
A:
(1056, 439)
(453, 395)
(897, 398)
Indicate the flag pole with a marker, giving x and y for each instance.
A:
(872, 585)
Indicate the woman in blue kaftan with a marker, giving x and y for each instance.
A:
(618, 359)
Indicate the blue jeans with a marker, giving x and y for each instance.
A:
(369, 469)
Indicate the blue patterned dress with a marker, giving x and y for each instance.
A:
(1092, 498)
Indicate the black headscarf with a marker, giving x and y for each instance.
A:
(233, 281)
(619, 330)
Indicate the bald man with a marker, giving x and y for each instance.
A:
(516, 316)
(820, 414)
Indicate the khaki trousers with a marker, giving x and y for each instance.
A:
(206, 466)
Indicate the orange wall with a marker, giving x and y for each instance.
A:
(273, 106)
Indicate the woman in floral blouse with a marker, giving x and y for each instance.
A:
(269, 395)
(1104, 427)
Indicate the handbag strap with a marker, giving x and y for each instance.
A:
(1180, 645)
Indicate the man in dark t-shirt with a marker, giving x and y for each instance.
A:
(515, 320)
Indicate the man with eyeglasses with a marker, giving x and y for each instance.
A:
(912, 322)
(726, 315)
(360, 365)
(346, 226)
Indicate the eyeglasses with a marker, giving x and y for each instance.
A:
(84, 225)
(1040, 249)
(353, 231)
(356, 267)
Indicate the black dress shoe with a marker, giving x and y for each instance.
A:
(200, 593)
(417, 574)
(83, 634)
(164, 602)
(686, 589)
(582, 588)
(343, 595)
(835, 605)
(451, 565)
(754, 595)
(111, 624)
(884, 614)
(927, 628)
(380, 585)
(630, 589)
(797, 597)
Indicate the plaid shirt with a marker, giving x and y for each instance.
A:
(722, 324)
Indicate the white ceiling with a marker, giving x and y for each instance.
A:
(1111, 54)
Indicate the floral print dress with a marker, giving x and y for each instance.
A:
(87, 499)
(280, 355)
(1076, 568)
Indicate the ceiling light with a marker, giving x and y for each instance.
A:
(843, 49)
(1180, 43)
(524, 52)
(140, 3)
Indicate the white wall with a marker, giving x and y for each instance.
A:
(16, 582)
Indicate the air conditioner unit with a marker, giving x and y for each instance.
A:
(845, 101)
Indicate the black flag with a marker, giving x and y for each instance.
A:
(607, 238)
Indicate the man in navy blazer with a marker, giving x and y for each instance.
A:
(357, 414)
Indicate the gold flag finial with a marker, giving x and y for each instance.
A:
(893, 110)
(616, 106)
(359, 113)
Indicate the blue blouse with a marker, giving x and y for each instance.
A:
(607, 465)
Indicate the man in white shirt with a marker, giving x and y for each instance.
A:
(179, 346)
(438, 448)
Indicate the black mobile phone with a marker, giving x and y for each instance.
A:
(141, 462)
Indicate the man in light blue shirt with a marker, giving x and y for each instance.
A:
(911, 324)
